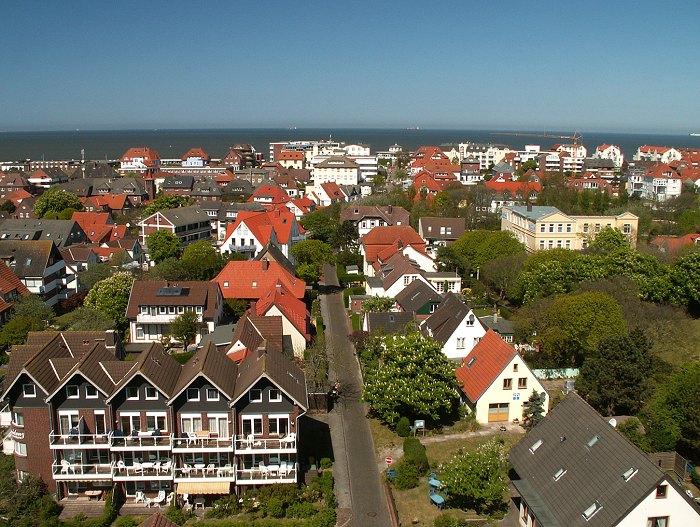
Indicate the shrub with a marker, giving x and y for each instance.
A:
(324, 518)
(126, 521)
(301, 510)
(224, 507)
(406, 475)
(274, 508)
(325, 463)
(176, 515)
(286, 494)
(403, 427)
(414, 452)
(448, 520)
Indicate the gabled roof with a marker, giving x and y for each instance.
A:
(275, 193)
(333, 191)
(416, 295)
(10, 282)
(395, 267)
(148, 154)
(178, 182)
(514, 187)
(173, 293)
(430, 227)
(158, 520)
(272, 253)
(380, 238)
(276, 367)
(154, 364)
(337, 162)
(484, 364)
(535, 212)
(212, 364)
(392, 215)
(27, 259)
(292, 308)
(447, 317)
(601, 466)
(62, 232)
(391, 322)
(196, 151)
(252, 279)
(182, 216)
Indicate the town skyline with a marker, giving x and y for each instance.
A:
(130, 66)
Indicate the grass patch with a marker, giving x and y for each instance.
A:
(356, 323)
(384, 438)
(442, 451)
(183, 357)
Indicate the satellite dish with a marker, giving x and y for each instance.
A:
(613, 422)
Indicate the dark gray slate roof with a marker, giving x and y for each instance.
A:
(389, 322)
(416, 295)
(274, 253)
(62, 232)
(499, 325)
(575, 438)
(178, 182)
(446, 318)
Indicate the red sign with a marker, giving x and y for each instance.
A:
(388, 460)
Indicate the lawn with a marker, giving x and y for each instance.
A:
(385, 440)
(356, 323)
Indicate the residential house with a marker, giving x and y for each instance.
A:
(153, 305)
(47, 177)
(131, 246)
(419, 298)
(79, 258)
(177, 185)
(512, 193)
(439, 231)
(112, 203)
(13, 182)
(387, 323)
(62, 232)
(503, 327)
(11, 288)
(272, 253)
(252, 231)
(590, 181)
(660, 154)
(241, 156)
(575, 469)
(189, 224)
(40, 267)
(279, 301)
(381, 238)
(207, 190)
(251, 332)
(251, 280)
(543, 227)
(673, 245)
(496, 381)
(393, 275)
(326, 194)
(195, 157)
(25, 209)
(138, 190)
(612, 152)
(270, 194)
(99, 227)
(455, 326)
(291, 159)
(603, 168)
(301, 206)
(426, 154)
(140, 160)
(367, 217)
(660, 182)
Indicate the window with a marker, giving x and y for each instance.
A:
(460, 342)
(662, 491)
(626, 228)
(507, 384)
(585, 227)
(100, 422)
(597, 227)
(151, 393)
(212, 394)
(522, 383)
(255, 395)
(515, 367)
(171, 310)
(68, 421)
(537, 444)
(252, 424)
(180, 310)
(29, 390)
(198, 310)
(156, 421)
(593, 440)
(593, 510)
(72, 391)
(218, 423)
(516, 396)
(225, 283)
(560, 227)
(193, 394)
(558, 474)
(132, 393)
(20, 448)
(278, 424)
(657, 521)
(542, 246)
(17, 419)
(275, 395)
(543, 227)
(568, 227)
(551, 227)
(90, 391)
(139, 332)
(406, 280)
(144, 310)
(162, 310)
(191, 423)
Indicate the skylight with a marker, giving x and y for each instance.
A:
(592, 510)
(471, 361)
(593, 440)
(630, 473)
(537, 444)
(559, 473)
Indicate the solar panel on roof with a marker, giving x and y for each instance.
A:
(171, 291)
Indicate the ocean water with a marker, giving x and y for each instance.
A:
(15, 146)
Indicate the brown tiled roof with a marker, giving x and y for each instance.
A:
(194, 293)
(155, 365)
(214, 365)
(158, 520)
(391, 214)
(279, 369)
(447, 317)
(457, 225)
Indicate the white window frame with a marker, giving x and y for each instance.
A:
(213, 394)
(20, 449)
(277, 399)
(88, 395)
(126, 392)
(253, 418)
(277, 418)
(29, 393)
(194, 420)
(158, 416)
(153, 397)
(130, 416)
(70, 414)
(69, 389)
(190, 394)
(257, 399)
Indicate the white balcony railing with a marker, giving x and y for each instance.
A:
(202, 441)
(143, 440)
(147, 470)
(80, 471)
(254, 443)
(267, 474)
(208, 472)
(78, 440)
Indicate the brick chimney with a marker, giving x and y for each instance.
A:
(265, 265)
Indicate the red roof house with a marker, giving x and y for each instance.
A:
(279, 301)
(252, 279)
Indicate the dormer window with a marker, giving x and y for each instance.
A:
(132, 393)
(193, 394)
(72, 391)
(90, 392)
(29, 390)
(255, 395)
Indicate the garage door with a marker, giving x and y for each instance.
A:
(498, 412)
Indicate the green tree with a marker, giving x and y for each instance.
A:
(15, 331)
(502, 274)
(185, 327)
(480, 247)
(310, 255)
(476, 479)
(345, 237)
(377, 304)
(87, 318)
(111, 296)
(168, 202)
(162, 245)
(609, 240)
(632, 430)
(202, 261)
(33, 308)
(685, 281)
(56, 201)
(319, 226)
(414, 379)
(8, 207)
(93, 274)
(533, 409)
(235, 307)
(169, 269)
(617, 379)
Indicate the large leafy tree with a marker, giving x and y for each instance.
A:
(168, 202)
(162, 245)
(319, 226)
(476, 479)
(96, 272)
(202, 261)
(33, 308)
(608, 240)
(377, 304)
(55, 201)
(477, 248)
(111, 296)
(87, 318)
(185, 327)
(169, 269)
(414, 379)
(617, 379)
(310, 255)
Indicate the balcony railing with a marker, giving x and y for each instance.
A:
(241, 248)
(144, 440)
(208, 472)
(80, 471)
(77, 440)
(152, 470)
(253, 443)
(201, 441)
(267, 474)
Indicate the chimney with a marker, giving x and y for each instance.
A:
(265, 265)
(529, 207)
(391, 208)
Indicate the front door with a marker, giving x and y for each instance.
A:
(498, 412)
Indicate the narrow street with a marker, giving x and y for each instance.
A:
(358, 487)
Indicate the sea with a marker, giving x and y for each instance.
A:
(173, 143)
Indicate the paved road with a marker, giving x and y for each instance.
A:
(358, 486)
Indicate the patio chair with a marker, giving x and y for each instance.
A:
(165, 467)
(137, 468)
(122, 466)
(156, 467)
(284, 469)
(170, 498)
(159, 499)
(66, 466)
(289, 439)
(191, 438)
(211, 469)
(186, 469)
(148, 502)
(140, 496)
(263, 469)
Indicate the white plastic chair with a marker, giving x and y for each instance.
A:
(186, 469)
(211, 469)
(137, 468)
(165, 467)
(122, 466)
(191, 438)
(140, 496)
(283, 469)
(289, 438)
(66, 466)
(263, 469)
(159, 499)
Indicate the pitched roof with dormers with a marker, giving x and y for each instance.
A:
(484, 364)
(392, 215)
(196, 151)
(446, 318)
(380, 238)
(252, 279)
(174, 293)
(292, 308)
(212, 364)
(150, 156)
(274, 193)
(514, 187)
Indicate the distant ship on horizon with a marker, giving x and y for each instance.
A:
(695, 134)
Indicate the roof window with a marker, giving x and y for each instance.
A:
(471, 361)
(592, 510)
(558, 474)
(593, 440)
(537, 444)
(630, 473)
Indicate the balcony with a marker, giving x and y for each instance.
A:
(266, 474)
(200, 472)
(202, 441)
(251, 444)
(140, 441)
(151, 471)
(67, 471)
(78, 441)
(241, 248)
(161, 318)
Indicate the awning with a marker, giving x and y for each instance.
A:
(204, 487)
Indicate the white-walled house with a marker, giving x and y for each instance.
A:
(496, 381)
(611, 152)
(661, 154)
(455, 326)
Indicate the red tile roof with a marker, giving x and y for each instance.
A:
(275, 192)
(483, 365)
(263, 223)
(17, 196)
(8, 283)
(253, 279)
(197, 151)
(291, 155)
(381, 238)
(292, 308)
(148, 154)
(514, 187)
(333, 191)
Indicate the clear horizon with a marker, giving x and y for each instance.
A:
(603, 67)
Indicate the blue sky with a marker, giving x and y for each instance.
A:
(603, 66)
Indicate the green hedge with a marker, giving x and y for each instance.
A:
(414, 452)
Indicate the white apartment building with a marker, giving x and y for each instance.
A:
(488, 155)
(336, 169)
(612, 152)
(662, 154)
